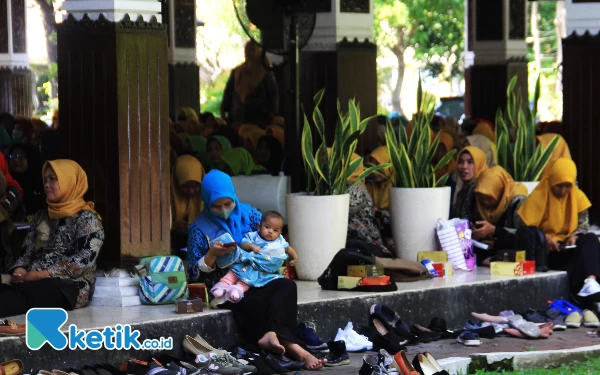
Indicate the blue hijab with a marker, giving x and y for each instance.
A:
(217, 185)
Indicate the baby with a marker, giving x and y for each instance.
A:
(267, 250)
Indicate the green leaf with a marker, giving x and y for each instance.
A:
(445, 160)
(544, 159)
(368, 171)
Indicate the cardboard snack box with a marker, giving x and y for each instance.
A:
(512, 268)
(365, 271)
(511, 256)
(433, 256)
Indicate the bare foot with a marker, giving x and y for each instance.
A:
(298, 353)
(270, 343)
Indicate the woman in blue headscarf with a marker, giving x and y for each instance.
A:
(266, 315)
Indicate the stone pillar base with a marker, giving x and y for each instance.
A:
(16, 88)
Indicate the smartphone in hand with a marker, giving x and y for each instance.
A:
(230, 244)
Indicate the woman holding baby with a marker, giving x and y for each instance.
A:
(266, 314)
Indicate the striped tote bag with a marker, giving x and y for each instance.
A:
(164, 280)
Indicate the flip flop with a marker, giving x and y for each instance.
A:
(529, 329)
(12, 367)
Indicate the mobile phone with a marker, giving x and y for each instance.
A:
(230, 244)
(565, 247)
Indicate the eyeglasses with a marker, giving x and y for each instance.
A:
(17, 156)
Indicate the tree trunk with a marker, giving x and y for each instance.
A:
(50, 28)
(399, 52)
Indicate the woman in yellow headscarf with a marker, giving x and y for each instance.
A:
(362, 224)
(251, 139)
(58, 266)
(498, 199)
(471, 162)
(486, 129)
(561, 150)
(379, 186)
(559, 209)
(186, 204)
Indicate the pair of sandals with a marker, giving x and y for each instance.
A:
(12, 367)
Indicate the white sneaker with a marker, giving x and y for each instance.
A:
(361, 339)
(351, 344)
(590, 286)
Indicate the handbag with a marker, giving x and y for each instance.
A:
(533, 241)
(450, 243)
(162, 280)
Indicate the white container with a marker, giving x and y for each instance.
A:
(414, 215)
(530, 185)
(318, 226)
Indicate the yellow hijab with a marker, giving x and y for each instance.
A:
(479, 159)
(73, 185)
(485, 129)
(380, 192)
(557, 217)
(187, 168)
(498, 184)
(561, 150)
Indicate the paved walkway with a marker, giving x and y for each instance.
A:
(569, 339)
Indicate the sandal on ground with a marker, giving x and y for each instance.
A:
(469, 338)
(12, 367)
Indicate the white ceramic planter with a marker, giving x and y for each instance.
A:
(530, 185)
(318, 226)
(414, 215)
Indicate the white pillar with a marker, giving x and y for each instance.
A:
(15, 55)
(582, 17)
(114, 10)
(342, 22)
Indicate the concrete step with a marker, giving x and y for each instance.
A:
(452, 298)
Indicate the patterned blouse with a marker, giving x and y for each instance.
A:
(68, 248)
(362, 224)
(198, 246)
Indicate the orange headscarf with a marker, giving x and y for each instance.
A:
(447, 140)
(561, 150)
(277, 132)
(557, 217)
(479, 159)
(73, 185)
(187, 168)
(380, 192)
(498, 184)
(486, 129)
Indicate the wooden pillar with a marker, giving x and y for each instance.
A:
(15, 77)
(184, 72)
(340, 57)
(495, 52)
(113, 92)
(580, 81)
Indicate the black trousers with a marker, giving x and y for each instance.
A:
(579, 263)
(17, 299)
(273, 307)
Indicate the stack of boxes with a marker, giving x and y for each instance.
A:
(512, 263)
(369, 275)
(439, 261)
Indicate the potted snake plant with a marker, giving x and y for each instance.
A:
(522, 160)
(417, 198)
(318, 218)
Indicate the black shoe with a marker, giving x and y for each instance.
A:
(377, 364)
(438, 325)
(337, 355)
(388, 342)
(285, 362)
(424, 335)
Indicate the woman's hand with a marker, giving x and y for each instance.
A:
(572, 241)
(35, 275)
(485, 230)
(551, 244)
(18, 275)
(218, 250)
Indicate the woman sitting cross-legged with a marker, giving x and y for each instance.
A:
(559, 209)
(266, 315)
(498, 199)
(59, 264)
